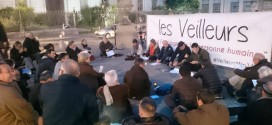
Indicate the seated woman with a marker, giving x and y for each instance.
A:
(17, 54)
(85, 47)
(114, 97)
(153, 50)
(88, 75)
(72, 50)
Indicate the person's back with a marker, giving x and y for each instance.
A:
(137, 80)
(207, 113)
(66, 101)
(209, 77)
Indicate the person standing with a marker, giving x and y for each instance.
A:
(68, 102)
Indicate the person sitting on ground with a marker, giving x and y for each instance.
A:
(165, 53)
(136, 51)
(242, 80)
(114, 97)
(197, 56)
(66, 101)
(184, 91)
(31, 47)
(14, 108)
(147, 115)
(17, 54)
(85, 45)
(137, 80)
(180, 55)
(153, 50)
(88, 76)
(34, 95)
(256, 92)
(104, 47)
(61, 58)
(209, 77)
(207, 113)
(47, 63)
(72, 50)
(47, 47)
(259, 112)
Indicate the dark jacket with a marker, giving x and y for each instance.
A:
(120, 108)
(257, 113)
(46, 64)
(156, 53)
(252, 72)
(67, 102)
(138, 82)
(17, 57)
(73, 53)
(32, 46)
(184, 93)
(207, 114)
(201, 55)
(179, 54)
(166, 53)
(103, 46)
(88, 76)
(137, 120)
(210, 79)
(34, 98)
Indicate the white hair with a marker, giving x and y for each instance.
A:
(70, 67)
(264, 71)
(111, 78)
(83, 56)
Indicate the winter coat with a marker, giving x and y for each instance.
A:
(201, 55)
(252, 72)
(166, 53)
(207, 114)
(210, 79)
(73, 53)
(68, 102)
(137, 120)
(179, 54)
(184, 93)
(88, 76)
(103, 46)
(138, 82)
(32, 46)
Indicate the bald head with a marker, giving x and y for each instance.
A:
(258, 57)
(165, 43)
(70, 67)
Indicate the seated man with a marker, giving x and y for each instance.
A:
(147, 115)
(207, 113)
(209, 77)
(197, 56)
(259, 112)
(47, 63)
(184, 91)
(242, 81)
(137, 80)
(14, 108)
(153, 50)
(166, 53)
(180, 55)
(136, 50)
(104, 47)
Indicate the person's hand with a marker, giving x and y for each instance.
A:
(107, 50)
(170, 63)
(186, 55)
(40, 120)
(158, 61)
(194, 62)
(21, 50)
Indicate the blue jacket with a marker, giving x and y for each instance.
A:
(68, 102)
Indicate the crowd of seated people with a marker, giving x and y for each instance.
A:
(70, 91)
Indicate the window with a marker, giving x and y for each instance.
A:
(249, 5)
(234, 7)
(205, 8)
(216, 7)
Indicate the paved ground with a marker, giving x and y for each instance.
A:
(119, 64)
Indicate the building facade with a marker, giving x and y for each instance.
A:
(232, 6)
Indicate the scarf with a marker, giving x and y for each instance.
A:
(107, 94)
(151, 50)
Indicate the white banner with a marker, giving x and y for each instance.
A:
(230, 38)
